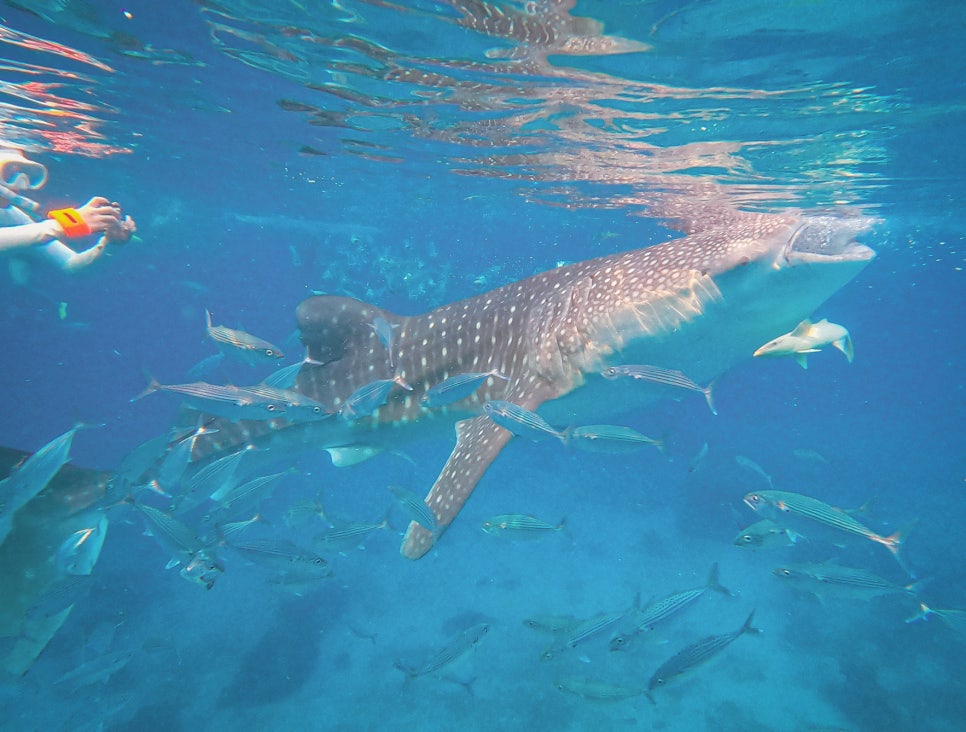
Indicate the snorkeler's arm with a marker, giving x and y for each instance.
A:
(66, 259)
(28, 235)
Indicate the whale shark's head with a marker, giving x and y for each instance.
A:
(829, 240)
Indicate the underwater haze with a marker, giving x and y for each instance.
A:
(411, 154)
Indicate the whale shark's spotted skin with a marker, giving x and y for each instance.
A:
(699, 304)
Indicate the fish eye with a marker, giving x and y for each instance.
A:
(660, 682)
(269, 352)
(619, 640)
(271, 407)
(786, 573)
(747, 538)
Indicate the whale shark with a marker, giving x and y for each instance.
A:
(700, 303)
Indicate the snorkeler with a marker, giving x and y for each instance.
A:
(44, 239)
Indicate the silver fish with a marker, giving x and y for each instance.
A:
(955, 619)
(231, 402)
(609, 438)
(811, 508)
(766, 534)
(457, 387)
(284, 378)
(80, 551)
(206, 366)
(242, 345)
(596, 689)
(282, 555)
(667, 607)
(695, 654)
(384, 332)
(198, 565)
(368, 398)
(347, 535)
(32, 477)
(519, 420)
(246, 497)
(297, 407)
(461, 644)
(749, 464)
(658, 375)
(99, 669)
(698, 460)
(415, 507)
(832, 579)
(520, 526)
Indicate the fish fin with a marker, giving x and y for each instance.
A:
(709, 396)
(343, 457)
(801, 360)
(713, 583)
(478, 442)
(894, 543)
(172, 563)
(844, 344)
(748, 627)
(152, 387)
(802, 328)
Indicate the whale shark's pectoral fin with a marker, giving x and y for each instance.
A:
(478, 442)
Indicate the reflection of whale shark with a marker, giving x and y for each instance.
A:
(699, 304)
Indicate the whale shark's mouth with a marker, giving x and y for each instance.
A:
(825, 238)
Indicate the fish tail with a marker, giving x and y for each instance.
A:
(208, 319)
(713, 583)
(708, 395)
(562, 525)
(748, 627)
(661, 442)
(894, 543)
(844, 344)
(152, 387)
(924, 612)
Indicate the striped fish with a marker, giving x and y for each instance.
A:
(832, 578)
(955, 619)
(231, 402)
(667, 607)
(297, 406)
(658, 375)
(347, 535)
(595, 689)
(368, 398)
(457, 387)
(282, 555)
(520, 421)
(242, 345)
(696, 654)
(823, 513)
(520, 526)
(461, 644)
(608, 438)
(186, 548)
(415, 507)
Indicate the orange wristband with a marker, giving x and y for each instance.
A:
(71, 222)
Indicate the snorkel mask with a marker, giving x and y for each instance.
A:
(19, 174)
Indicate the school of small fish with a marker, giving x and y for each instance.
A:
(200, 515)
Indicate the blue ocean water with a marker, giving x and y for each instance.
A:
(415, 153)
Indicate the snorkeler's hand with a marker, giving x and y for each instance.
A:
(121, 232)
(100, 214)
